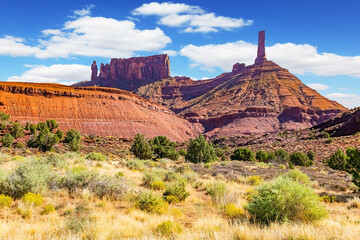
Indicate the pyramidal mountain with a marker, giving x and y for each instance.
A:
(255, 99)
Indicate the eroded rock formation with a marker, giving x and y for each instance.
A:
(131, 73)
(92, 110)
(255, 99)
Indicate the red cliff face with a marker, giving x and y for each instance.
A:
(255, 99)
(131, 73)
(92, 110)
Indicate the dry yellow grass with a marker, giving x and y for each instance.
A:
(199, 217)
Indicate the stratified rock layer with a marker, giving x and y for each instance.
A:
(131, 73)
(254, 99)
(92, 110)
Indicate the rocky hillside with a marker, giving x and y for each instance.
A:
(92, 110)
(255, 99)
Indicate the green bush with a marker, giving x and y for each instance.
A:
(141, 148)
(135, 164)
(168, 229)
(20, 145)
(353, 164)
(199, 150)
(30, 176)
(60, 134)
(298, 176)
(7, 140)
(96, 156)
(300, 159)
(48, 209)
(283, 200)
(177, 190)
(337, 160)
(150, 177)
(44, 140)
(311, 155)
(32, 128)
(77, 178)
(52, 124)
(254, 180)
(110, 187)
(150, 202)
(217, 190)
(32, 199)
(73, 139)
(17, 130)
(5, 201)
(4, 116)
(3, 126)
(158, 185)
(243, 154)
(281, 156)
(262, 156)
(164, 148)
(183, 152)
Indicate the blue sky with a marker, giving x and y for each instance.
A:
(318, 41)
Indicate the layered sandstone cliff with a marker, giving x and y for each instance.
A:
(92, 110)
(131, 73)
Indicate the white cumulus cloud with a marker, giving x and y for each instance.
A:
(58, 73)
(298, 58)
(89, 36)
(318, 86)
(348, 100)
(190, 18)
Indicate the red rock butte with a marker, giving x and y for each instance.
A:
(254, 99)
(92, 110)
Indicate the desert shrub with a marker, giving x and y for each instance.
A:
(328, 199)
(232, 211)
(7, 140)
(25, 212)
(168, 229)
(353, 164)
(281, 155)
(110, 187)
(337, 160)
(119, 174)
(30, 176)
(311, 155)
(20, 145)
(190, 176)
(300, 159)
(172, 176)
(135, 164)
(17, 130)
(353, 203)
(283, 200)
(73, 139)
(96, 156)
(262, 156)
(32, 128)
(183, 169)
(158, 185)
(141, 148)
(177, 190)
(298, 176)
(5, 201)
(3, 125)
(32, 199)
(217, 190)
(47, 140)
(48, 209)
(56, 160)
(199, 150)
(4, 116)
(150, 202)
(164, 148)
(52, 124)
(243, 154)
(254, 180)
(150, 177)
(42, 126)
(60, 134)
(183, 152)
(77, 178)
